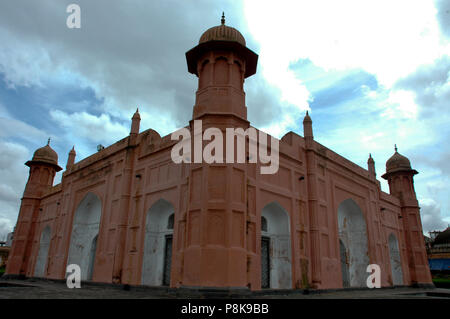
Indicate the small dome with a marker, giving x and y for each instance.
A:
(45, 155)
(397, 162)
(222, 33)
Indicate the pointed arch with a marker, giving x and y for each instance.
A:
(276, 242)
(156, 261)
(85, 229)
(41, 260)
(396, 261)
(353, 236)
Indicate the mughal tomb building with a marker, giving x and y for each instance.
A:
(129, 214)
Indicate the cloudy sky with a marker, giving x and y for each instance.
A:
(372, 73)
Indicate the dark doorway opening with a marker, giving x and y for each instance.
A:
(265, 262)
(167, 260)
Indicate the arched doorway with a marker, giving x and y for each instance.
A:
(83, 241)
(353, 244)
(157, 257)
(41, 260)
(276, 269)
(396, 263)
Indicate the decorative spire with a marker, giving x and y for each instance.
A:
(395, 147)
(71, 158)
(135, 122)
(222, 21)
(48, 142)
(307, 118)
(307, 126)
(136, 114)
(371, 166)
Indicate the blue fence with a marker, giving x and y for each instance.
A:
(439, 264)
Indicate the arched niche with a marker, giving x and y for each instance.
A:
(41, 260)
(236, 74)
(396, 262)
(353, 238)
(83, 241)
(221, 71)
(276, 266)
(157, 255)
(205, 74)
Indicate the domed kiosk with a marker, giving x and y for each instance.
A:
(45, 155)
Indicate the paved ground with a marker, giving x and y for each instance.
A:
(32, 288)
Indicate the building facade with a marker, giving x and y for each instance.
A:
(129, 214)
(439, 250)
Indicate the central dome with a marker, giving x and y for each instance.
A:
(222, 33)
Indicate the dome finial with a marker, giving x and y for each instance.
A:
(395, 147)
(223, 18)
(48, 142)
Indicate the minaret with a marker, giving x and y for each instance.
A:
(371, 166)
(399, 175)
(134, 131)
(71, 158)
(221, 62)
(124, 203)
(209, 257)
(43, 168)
(135, 122)
(307, 127)
(313, 202)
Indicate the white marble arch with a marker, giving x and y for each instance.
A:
(278, 231)
(396, 262)
(84, 234)
(353, 237)
(41, 260)
(158, 225)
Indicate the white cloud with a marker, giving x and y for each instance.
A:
(12, 183)
(400, 105)
(98, 129)
(386, 38)
(431, 215)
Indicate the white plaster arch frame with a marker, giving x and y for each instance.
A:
(353, 235)
(156, 232)
(41, 260)
(278, 231)
(85, 229)
(395, 260)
